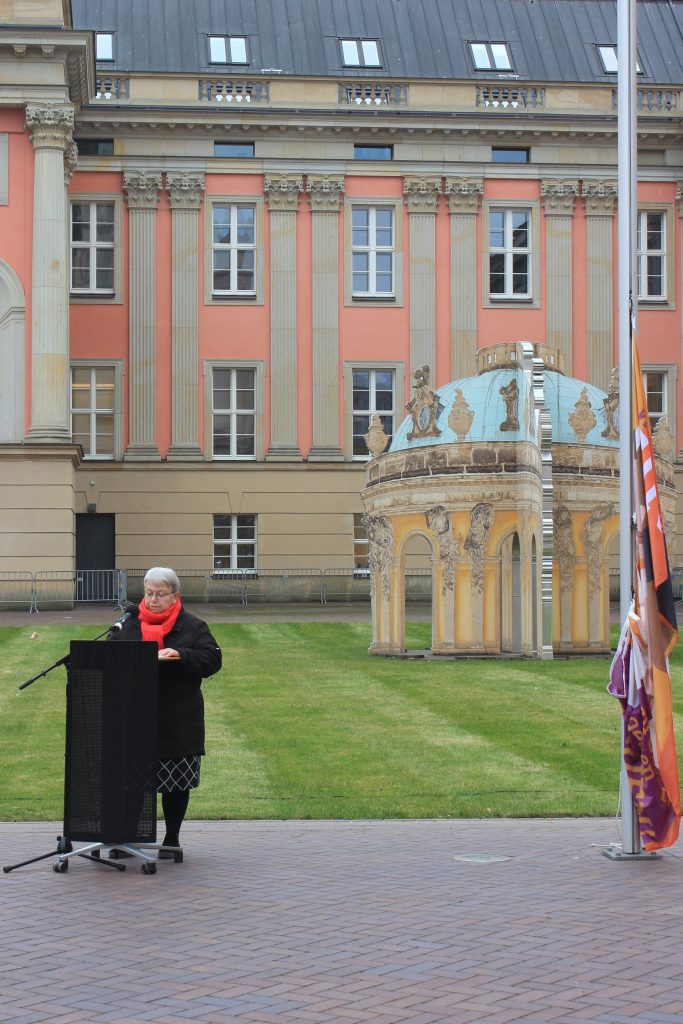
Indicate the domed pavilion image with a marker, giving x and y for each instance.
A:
(511, 476)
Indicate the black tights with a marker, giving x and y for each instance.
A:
(174, 806)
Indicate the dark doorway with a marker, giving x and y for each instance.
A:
(95, 557)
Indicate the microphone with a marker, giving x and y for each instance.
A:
(132, 612)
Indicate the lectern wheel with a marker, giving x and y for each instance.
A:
(61, 866)
(149, 869)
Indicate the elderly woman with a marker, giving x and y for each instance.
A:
(188, 653)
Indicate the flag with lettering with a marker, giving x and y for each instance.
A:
(639, 675)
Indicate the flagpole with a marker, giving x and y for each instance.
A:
(628, 306)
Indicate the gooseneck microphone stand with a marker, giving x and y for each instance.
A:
(63, 843)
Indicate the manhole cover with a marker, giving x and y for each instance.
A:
(480, 858)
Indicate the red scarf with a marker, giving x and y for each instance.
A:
(155, 626)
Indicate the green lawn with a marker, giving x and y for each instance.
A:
(303, 724)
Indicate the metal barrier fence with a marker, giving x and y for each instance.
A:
(282, 585)
(64, 589)
(16, 588)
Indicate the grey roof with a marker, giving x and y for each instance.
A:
(550, 40)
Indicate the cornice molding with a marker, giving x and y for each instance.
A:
(141, 190)
(464, 194)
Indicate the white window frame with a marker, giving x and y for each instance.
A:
(382, 298)
(609, 58)
(259, 368)
(362, 49)
(533, 296)
(372, 250)
(101, 40)
(234, 50)
(254, 296)
(117, 365)
(643, 253)
(233, 542)
(232, 413)
(103, 296)
(669, 374)
(493, 52)
(398, 370)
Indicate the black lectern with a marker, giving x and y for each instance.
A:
(110, 773)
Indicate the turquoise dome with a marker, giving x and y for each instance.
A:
(483, 398)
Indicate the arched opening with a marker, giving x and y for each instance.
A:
(614, 569)
(418, 603)
(12, 329)
(516, 595)
(534, 599)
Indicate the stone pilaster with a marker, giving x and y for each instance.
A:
(282, 194)
(142, 196)
(679, 197)
(421, 193)
(599, 198)
(464, 197)
(558, 202)
(185, 192)
(51, 130)
(326, 196)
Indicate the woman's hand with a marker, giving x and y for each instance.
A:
(168, 654)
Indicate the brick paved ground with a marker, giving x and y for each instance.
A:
(347, 922)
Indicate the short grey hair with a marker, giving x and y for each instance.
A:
(159, 576)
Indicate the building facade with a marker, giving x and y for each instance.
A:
(231, 233)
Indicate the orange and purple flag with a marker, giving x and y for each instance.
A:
(639, 675)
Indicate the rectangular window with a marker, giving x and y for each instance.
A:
(228, 50)
(95, 147)
(234, 413)
(373, 152)
(510, 254)
(610, 61)
(488, 56)
(656, 387)
(373, 392)
(234, 248)
(234, 543)
(93, 410)
(360, 53)
(104, 46)
(503, 155)
(92, 248)
(233, 149)
(361, 547)
(651, 255)
(373, 251)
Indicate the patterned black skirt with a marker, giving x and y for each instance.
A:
(176, 774)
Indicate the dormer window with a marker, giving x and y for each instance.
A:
(104, 46)
(609, 60)
(360, 53)
(228, 50)
(491, 56)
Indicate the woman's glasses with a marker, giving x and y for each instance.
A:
(161, 594)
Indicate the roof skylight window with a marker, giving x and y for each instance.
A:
(228, 50)
(491, 56)
(360, 53)
(104, 46)
(610, 62)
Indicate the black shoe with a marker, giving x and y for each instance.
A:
(169, 841)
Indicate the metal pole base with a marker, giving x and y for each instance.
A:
(615, 852)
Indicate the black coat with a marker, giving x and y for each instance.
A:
(181, 705)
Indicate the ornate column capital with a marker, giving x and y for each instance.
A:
(464, 194)
(599, 197)
(282, 191)
(325, 192)
(679, 197)
(421, 193)
(185, 190)
(70, 161)
(50, 127)
(141, 189)
(558, 195)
